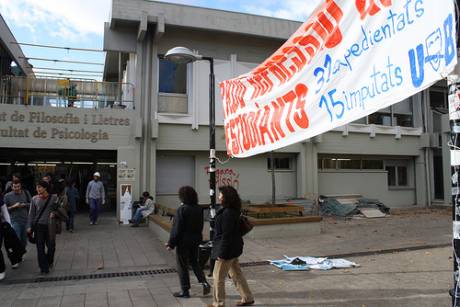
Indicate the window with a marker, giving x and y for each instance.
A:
(353, 163)
(329, 163)
(349, 164)
(399, 114)
(172, 77)
(172, 82)
(280, 163)
(438, 99)
(372, 164)
(402, 176)
(383, 117)
(391, 175)
(397, 176)
(362, 121)
(402, 113)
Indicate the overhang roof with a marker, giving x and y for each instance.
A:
(9, 44)
(125, 11)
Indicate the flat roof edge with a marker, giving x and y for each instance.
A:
(205, 18)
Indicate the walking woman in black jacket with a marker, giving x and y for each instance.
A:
(186, 235)
(227, 247)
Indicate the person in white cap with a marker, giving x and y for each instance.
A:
(95, 196)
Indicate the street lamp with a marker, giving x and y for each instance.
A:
(182, 55)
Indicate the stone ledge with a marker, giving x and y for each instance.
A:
(162, 222)
(286, 220)
(272, 228)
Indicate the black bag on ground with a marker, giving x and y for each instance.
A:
(33, 235)
(14, 247)
(245, 225)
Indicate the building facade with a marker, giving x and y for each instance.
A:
(398, 155)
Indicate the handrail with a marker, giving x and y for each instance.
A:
(65, 92)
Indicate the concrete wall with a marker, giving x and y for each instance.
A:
(369, 184)
(183, 138)
(203, 18)
(66, 128)
(360, 143)
(249, 176)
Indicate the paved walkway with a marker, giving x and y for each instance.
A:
(359, 235)
(410, 279)
(415, 278)
(106, 247)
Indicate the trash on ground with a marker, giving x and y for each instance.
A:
(331, 206)
(311, 263)
(371, 213)
(365, 207)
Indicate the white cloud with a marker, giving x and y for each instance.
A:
(66, 19)
(71, 20)
(288, 9)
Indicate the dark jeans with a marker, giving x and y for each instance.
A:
(20, 229)
(2, 260)
(69, 222)
(94, 205)
(45, 258)
(185, 256)
(138, 216)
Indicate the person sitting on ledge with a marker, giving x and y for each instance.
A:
(144, 210)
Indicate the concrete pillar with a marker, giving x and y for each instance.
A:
(307, 170)
(446, 169)
(147, 114)
(420, 180)
(146, 104)
(127, 159)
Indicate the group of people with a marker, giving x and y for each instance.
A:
(186, 236)
(38, 219)
(35, 219)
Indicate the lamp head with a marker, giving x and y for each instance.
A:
(182, 55)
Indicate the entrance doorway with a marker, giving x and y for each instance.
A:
(71, 165)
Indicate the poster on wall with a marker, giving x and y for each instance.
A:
(348, 60)
(126, 174)
(126, 200)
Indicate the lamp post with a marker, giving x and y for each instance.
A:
(182, 55)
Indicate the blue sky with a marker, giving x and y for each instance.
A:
(71, 23)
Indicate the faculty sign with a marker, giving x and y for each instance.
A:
(54, 124)
(350, 59)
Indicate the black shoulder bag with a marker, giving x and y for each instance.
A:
(245, 225)
(33, 234)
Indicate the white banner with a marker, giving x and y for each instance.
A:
(350, 59)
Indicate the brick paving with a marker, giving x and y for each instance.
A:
(415, 278)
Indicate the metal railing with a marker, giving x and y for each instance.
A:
(66, 93)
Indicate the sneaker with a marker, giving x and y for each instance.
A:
(241, 303)
(135, 225)
(182, 294)
(71, 230)
(15, 266)
(2, 276)
(91, 223)
(43, 272)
